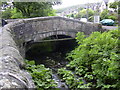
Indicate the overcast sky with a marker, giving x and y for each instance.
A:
(66, 3)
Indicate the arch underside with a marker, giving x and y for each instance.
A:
(51, 36)
(42, 36)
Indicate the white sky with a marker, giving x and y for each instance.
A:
(66, 3)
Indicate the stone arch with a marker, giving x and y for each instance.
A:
(41, 36)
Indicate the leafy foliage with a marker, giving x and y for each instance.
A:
(42, 76)
(70, 78)
(7, 13)
(11, 13)
(16, 14)
(29, 9)
(83, 13)
(114, 5)
(104, 14)
(113, 17)
(34, 9)
(97, 59)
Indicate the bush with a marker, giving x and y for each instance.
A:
(104, 14)
(69, 78)
(11, 14)
(83, 13)
(7, 14)
(42, 76)
(112, 17)
(97, 59)
(16, 14)
(91, 18)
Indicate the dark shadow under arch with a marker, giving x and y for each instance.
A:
(40, 50)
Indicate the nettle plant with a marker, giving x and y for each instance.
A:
(97, 59)
(41, 76)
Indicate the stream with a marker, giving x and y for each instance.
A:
(54, 61)
(57, 80)
(53, 56)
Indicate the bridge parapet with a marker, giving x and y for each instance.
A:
(12, 74)
(41, 27)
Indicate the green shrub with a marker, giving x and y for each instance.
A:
(112, 17)
(11, 14)
(97, 59)
(69, 78)
(91, 19)
(42, 76)
(104, 14)
(83, 13)
(16, 14)
(7, 14)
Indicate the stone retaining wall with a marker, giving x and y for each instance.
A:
(12, 73)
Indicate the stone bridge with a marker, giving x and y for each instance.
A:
(15, 35)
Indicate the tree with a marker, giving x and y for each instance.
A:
(7, 13)
(34, 9)
(114, 5)
(104, 14)
(15, 14)
(29, 9)
(83, 13)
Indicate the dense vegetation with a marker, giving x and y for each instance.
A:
(106, 14)
(95, 64)
(42, 76)
(28, 9)
(97, 59)
(83, 14)
(114, 5)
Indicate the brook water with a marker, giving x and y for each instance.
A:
(53, 55)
